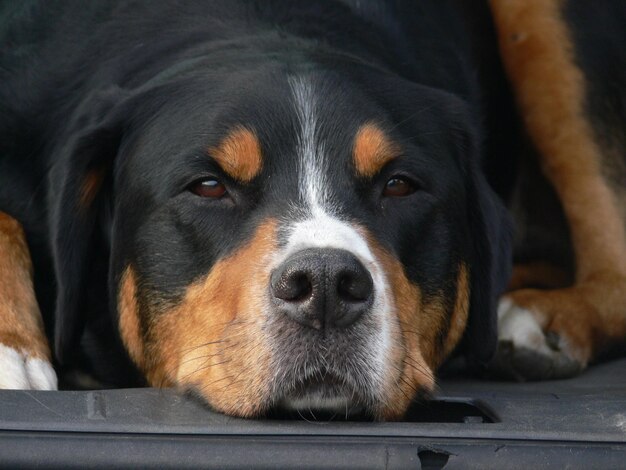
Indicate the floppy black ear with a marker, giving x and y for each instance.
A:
(491, 230)
(81, 169)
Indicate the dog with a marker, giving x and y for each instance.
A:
(309, 205)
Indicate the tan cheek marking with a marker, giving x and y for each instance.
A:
(213, 340)
(409, 371)
(458, 320)
(129, 317)
(239, 154)
(372, 150)
(21, 325)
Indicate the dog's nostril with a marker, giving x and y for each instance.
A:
(355, 287)
(291, 286)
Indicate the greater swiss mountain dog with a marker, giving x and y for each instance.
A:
(309, 205)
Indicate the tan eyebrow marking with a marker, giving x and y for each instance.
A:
(372, 150)
(239, 154)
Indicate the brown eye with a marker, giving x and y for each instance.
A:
(209, 187)
(398, 186)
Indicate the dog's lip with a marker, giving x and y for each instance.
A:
(322, 383)
(323, 395)
(323, 380)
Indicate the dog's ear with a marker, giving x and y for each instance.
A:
(490, 265)
(78, 182)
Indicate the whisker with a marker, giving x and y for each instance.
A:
(407, 328)
(218, 352)
(398, 384)
(231, 322)
(208, 343)
(311, 422)
(420, 369)
(201, 389)
(205, 356)
(229, 385)
(411, 116)
(407, 383)
(208, 366)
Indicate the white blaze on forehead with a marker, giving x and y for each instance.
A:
(311, 158)
(321, 228)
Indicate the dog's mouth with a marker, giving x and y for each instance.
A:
(321, 397)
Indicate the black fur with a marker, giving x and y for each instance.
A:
(138, 91)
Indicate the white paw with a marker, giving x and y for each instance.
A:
(20, 371)
(519, 326)
(526, 352)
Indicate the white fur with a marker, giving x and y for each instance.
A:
(321, 228)
(519, 326)
(311, 153)
(20, 371)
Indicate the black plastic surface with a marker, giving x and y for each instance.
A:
(577, 423)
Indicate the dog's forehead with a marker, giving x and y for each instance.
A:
(301, 130)
(307, 127)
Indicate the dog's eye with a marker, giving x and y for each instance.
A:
(208, 187)
(398, 186)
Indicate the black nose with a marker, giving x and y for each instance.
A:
(322, 288)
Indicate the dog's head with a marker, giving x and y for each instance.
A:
(289, 236)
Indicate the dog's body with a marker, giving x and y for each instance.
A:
(288, 204)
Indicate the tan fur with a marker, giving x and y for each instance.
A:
(212, 340)
(538, 55)
(458, 320)
(239, 154)
(407, 367)
(372, 150)
(417, 351)
(129, 322)
(538, 274)
(21, 325)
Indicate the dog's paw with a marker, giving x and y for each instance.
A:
(18, 370)
(527, 352)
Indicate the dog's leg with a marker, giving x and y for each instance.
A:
(555, 333)
(538, 275)
(24, 351)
